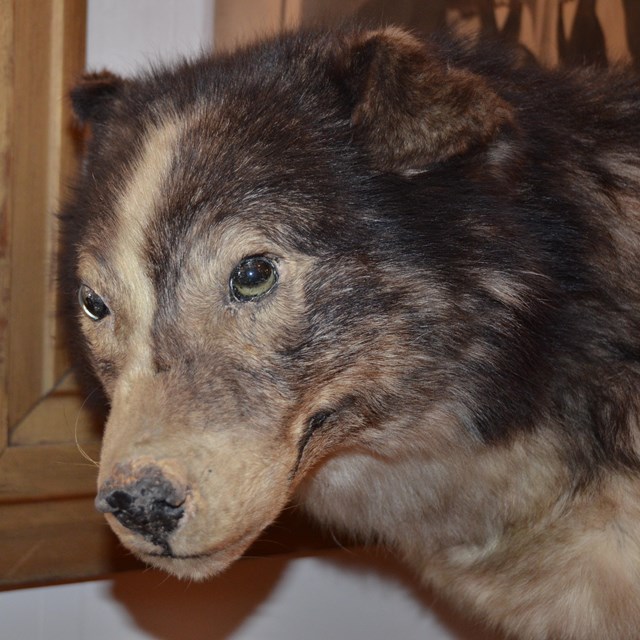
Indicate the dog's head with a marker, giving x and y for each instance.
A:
(246, 302)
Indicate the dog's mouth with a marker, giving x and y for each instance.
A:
(202, 564)
(167, 552)
(175, 556)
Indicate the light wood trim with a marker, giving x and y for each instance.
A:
(69, 541)
(68, 48)
(239, 22)
(47, 471)
(6, 102)
(62, 417)
(47, 50)
(292, 13)
(613, 20)
(28, 205)
(44, 479)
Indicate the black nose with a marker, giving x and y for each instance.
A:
(147, 503)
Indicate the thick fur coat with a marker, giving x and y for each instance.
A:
(395, 281)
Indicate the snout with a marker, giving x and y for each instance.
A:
(192, 504)
(144, 500)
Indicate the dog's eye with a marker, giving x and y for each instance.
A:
(91, 303)
(252, 278)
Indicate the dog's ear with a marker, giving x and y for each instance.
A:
(409, 108)
(96, 95)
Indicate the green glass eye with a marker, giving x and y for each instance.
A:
(252, 278)
(91, 303)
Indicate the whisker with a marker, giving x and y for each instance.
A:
(83, 453)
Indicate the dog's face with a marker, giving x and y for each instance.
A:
(236, 288)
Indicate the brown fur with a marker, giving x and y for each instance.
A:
(449, 360)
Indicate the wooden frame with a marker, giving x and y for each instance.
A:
(240, 21)
(48, 527)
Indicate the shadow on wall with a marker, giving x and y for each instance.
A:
(341, 594)
(169, 609)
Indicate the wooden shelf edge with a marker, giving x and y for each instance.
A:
(67, 541)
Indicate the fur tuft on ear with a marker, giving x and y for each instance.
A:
(94, 96)
(409, 109)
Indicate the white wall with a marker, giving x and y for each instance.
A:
(123, 35)
(338, 595)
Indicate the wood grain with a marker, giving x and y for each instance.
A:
(28, 204)
(239, 22)
(6, 101)
(70, 541)
(46, 472)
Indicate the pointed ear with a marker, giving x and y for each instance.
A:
(95, 95)
(409, 108)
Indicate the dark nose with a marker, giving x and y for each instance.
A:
(145, 502)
